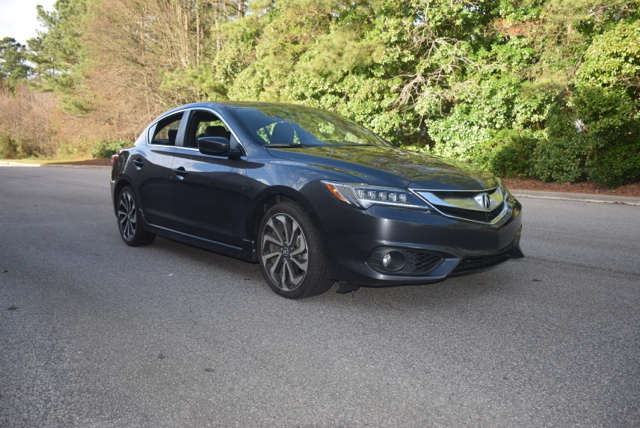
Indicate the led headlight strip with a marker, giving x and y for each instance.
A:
(364, 196)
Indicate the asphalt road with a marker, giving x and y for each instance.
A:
(96, 334)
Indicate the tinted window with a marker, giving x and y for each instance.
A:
(296, 125)
(204, 124)
(166, 130)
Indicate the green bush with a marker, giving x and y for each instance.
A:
(8, 146)
(73, 150)
(458, 137)
(561, 156)
(106, 148)
(593, 134)
(511, 152)
(14, 147)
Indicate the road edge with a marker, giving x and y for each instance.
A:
(576, 197)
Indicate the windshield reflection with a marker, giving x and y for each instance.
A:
(298, 126)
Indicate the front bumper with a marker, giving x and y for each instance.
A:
(432, 246)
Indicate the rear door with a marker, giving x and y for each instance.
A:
(151, 169)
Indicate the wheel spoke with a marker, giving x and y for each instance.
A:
(271, 255)
(294, 279)
(302, 264)
(295, 231)
(275, 265)
(287, 226)
(283, 274)
(278, 236)
(301, 249)
(271, 238)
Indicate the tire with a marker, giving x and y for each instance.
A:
(131, 229)
(289, 253)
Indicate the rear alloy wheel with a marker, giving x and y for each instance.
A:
(130, 227)
(289, 253)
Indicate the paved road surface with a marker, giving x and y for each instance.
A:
(171, 336)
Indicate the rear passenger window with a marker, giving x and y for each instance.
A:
(166, 131)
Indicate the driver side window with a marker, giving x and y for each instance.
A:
(204, 124)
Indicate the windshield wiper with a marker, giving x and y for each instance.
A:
(283, 146)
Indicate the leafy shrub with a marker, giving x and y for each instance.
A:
(613, 59)
(561, 156)
(106, 148)
(73, 150)
(458, 137)
(8, 146)
(593, 135)
(496, 126)
(511, 153)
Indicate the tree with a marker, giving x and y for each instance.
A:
(59, 54)
(13, 66)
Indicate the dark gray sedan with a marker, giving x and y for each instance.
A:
(313, 197)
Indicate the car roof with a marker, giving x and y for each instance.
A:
(247, 104)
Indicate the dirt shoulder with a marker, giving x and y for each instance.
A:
(48, 162)
(80, 162)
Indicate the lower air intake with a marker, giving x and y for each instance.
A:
(423, 262)
(470, 264)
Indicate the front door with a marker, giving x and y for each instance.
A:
(209, 192)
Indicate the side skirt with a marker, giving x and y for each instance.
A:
(243, 253)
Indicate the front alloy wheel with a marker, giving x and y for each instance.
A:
(284, 252)
(289, 253)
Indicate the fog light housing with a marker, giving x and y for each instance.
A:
(393, 261)
(405, 261)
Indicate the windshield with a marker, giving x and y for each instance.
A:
(296, 126)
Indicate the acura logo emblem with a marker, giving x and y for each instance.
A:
(484, 201)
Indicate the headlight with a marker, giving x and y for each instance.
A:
(363, 196)
(505, 192)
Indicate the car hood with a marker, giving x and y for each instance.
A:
(388, 166)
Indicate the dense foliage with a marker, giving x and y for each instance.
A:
(530, 88)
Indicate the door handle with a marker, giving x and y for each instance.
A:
(180, 172)
(138, 163)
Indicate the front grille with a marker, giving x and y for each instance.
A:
(468, 205)
(472, 215)
(423, 262)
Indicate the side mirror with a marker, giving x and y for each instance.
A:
(213, 145)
